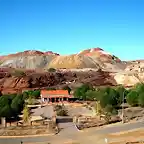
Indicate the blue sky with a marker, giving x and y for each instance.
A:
(69, 26)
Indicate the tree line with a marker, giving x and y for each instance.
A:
(111, 98)
(11, 105)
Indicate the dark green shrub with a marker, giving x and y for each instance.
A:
(80, 92)
(18, 73)
(141, 99)
(51, 70)
(132, 98)
(61, 110)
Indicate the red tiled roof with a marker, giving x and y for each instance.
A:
(54, 92)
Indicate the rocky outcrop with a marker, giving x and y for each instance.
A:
(100, 54)
(129, 78)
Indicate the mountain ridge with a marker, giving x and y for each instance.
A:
(33, 59)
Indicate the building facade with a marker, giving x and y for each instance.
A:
(52, 96)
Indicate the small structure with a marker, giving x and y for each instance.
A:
(3, 121)
(55, 96)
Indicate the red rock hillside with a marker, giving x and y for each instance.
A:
(13, 81)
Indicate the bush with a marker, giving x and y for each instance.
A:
(17, 104)
(111, 110)
(139, 88)
(107, 117)
(61, 110)
(132, 98)
(141, 99)
(51, 70)
(80, 92)
(18, 73)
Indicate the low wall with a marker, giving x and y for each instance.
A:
(87, 122)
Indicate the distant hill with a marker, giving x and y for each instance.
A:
(90, 58)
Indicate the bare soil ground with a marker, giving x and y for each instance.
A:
(25, 130)
(130, 137)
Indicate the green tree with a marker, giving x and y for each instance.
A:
(25, 95)
(26, 114)
(6, 111)
(17, 104)
(132, 98)
(80, 92)
(121, 94)
(139, 87)
(30, 93)
(141, 99)
(92, 95)
(104, 100)
(4, 100)
(113, 95)
(109, 96)
(10, 106)
(36, 94)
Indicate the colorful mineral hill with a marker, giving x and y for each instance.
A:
(99, 53)
(51, 53)
(34, 59)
